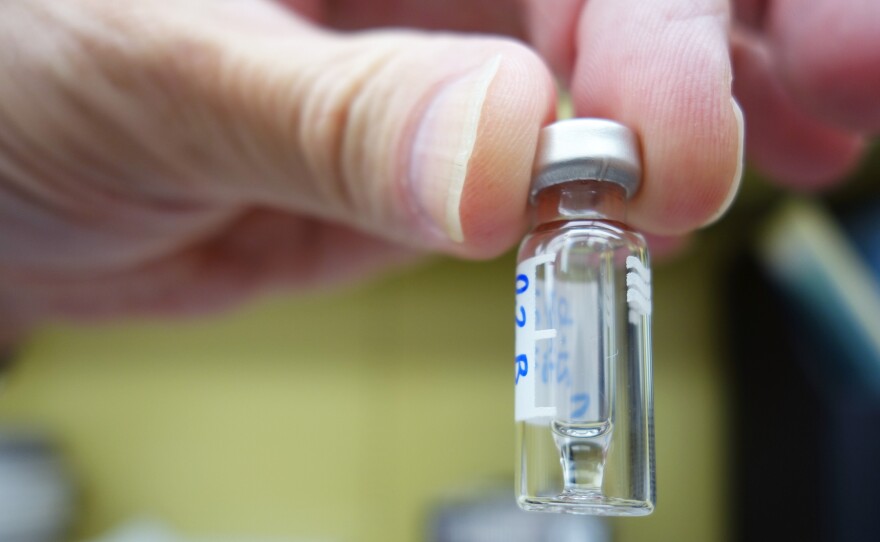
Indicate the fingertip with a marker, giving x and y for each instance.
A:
(665, 248)
(837, 155)
(690, 178)
(552, 27)
(520, 100)
(828, 55)
(664, 70)
(692, 163)
(785, 142)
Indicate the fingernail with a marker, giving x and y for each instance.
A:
(740, 162)
(443, 145)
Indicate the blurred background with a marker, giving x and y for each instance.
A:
(384, 411)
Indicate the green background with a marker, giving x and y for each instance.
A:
(346, 415)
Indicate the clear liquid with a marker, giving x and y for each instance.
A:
(583, 451)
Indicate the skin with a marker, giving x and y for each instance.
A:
(177, 157)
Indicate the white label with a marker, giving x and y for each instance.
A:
(526, 377)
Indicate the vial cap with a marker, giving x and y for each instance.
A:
(587, 149)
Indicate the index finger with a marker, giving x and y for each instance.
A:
(663, 68)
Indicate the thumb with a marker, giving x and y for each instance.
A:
(422, 139)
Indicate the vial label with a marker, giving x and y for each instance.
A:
(560, 366)
(528, 405)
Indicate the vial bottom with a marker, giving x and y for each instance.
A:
(583, 450)
(593, 505)
(573, 460)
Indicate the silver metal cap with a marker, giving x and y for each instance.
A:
(587, 149)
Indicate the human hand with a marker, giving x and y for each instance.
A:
(175, 157)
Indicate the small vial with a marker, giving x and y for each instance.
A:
(584, 406)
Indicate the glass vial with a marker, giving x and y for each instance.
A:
(584, 406)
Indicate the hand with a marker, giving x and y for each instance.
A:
(162, 157)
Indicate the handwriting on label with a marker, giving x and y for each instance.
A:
(522, 360)
(531, 401)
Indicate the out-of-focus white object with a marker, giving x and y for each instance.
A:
(36, 497)
(145, 530)
(140, 531)
(489, 515)
(813, 259)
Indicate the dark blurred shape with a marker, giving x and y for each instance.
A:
(835, 294)
(493, 516)
(804, 370)
(36, 498)
(7, 355)
(863, 226)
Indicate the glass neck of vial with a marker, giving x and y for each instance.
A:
(580, 200)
